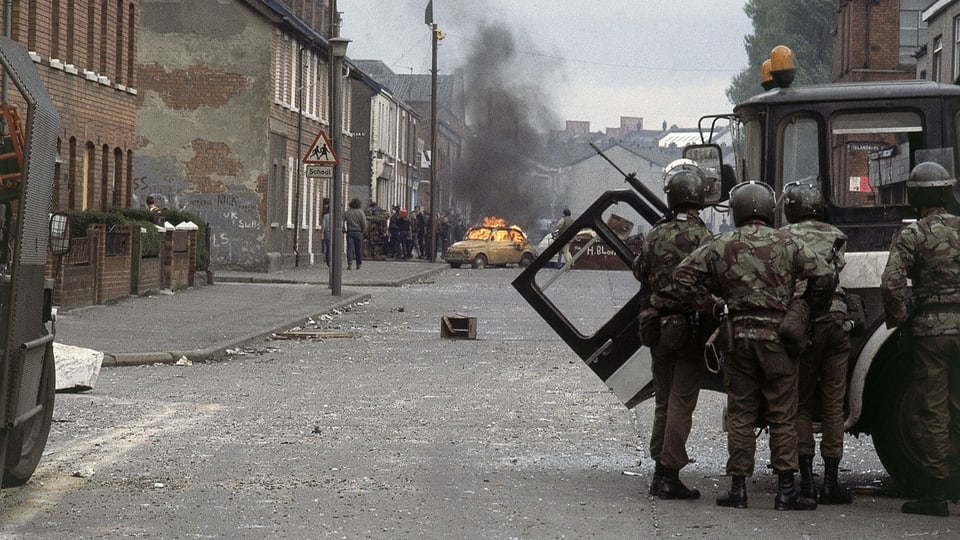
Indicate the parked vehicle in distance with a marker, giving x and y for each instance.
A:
(497, 245)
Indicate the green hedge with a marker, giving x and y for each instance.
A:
(152, 239)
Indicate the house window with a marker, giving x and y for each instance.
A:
(55, 30)
(103, 31)
(936, 71)
(71, 24)
(104, 178)
(89, 177)
(131, 26)
(119, 44)
(913, 31)
(956, 48)
(91, 34)
(117, 183)
(72, 175)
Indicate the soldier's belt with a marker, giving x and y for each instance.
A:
(758, 314)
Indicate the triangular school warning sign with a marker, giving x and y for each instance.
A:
(320, 152)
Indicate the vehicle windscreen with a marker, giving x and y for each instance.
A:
(870, 156)
(480, 233)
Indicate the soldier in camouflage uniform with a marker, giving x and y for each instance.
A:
(823, 363)
(754, 270)
(677, 357)
(928, 253)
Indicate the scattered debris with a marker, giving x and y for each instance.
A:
(83, 472)
(184, 361)
(312, 334)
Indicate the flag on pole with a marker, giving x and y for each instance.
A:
(428, 13)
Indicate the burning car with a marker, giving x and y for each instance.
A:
(493, 243)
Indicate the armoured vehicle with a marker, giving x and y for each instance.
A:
(859, 141)
(28, 152)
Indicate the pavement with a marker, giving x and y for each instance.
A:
(238, 308)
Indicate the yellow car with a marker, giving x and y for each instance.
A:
(491, 246)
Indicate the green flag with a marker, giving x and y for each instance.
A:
(428, 13)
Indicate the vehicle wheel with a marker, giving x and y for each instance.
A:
(897, 435)
(526, 260)
(454, 265)
(26, 442)
(480, 261)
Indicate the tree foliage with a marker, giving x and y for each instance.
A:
(806, 27)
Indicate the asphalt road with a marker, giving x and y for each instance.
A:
(397, 433)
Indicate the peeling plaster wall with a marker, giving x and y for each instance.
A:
(205, 83)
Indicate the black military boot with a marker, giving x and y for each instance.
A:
(737, 496)
(789, 497)
(807, 487)
(831, 492)
(657, 480)
(953, 488)
(673, 488)
(932, 503)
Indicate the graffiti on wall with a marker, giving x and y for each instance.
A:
(236, 233)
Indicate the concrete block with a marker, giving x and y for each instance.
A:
(77, 367)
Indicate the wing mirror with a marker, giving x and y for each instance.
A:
(60, 234)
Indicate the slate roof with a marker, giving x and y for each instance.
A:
(408, 88)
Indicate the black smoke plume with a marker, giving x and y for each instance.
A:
(502, 172)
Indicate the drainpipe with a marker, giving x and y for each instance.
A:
(296, 200)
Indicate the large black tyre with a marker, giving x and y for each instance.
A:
(526, 260)
(896, 436)
(26, 442)
(480, 261)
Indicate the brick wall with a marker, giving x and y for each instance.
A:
(867, 42)
(151, 275)
(113, 270)
(90, 275)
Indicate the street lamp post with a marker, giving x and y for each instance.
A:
(338, 50)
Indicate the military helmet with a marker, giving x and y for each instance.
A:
(929, 185)
(752, 200)
(802, 199)
(685, 189)
(688, 190)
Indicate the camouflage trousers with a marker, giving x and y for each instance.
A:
(823, 379)
(761, 383)
(677, 370)
(937, 372)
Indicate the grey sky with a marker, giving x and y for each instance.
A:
(662, 60)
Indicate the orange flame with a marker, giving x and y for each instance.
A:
(494, 222)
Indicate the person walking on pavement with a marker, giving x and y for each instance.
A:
(677, 355)
(823, 362)
(325, 232)
(355, 222)
(928, 253)
(754, 270)
(403, 235)
(563, 224)
(459, 231)
(422, 231)
(393, 231)
(444, 234)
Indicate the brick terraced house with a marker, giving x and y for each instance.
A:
(85, 53)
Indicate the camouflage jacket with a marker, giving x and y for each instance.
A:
(663, 248)
(755, 269)
(819, 237)
(928, 253)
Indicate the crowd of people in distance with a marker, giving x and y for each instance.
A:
(399, 236)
